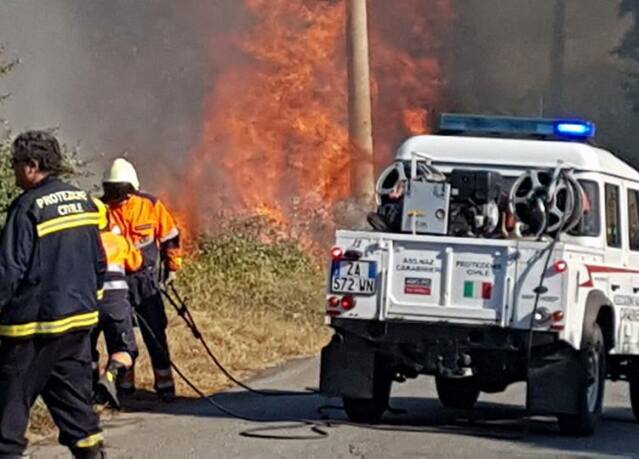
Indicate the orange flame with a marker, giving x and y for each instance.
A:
(407, 41)
(275, 136)
(415, 120)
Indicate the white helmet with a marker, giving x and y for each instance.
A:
(122, 171)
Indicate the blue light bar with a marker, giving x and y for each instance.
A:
(504, 126)
(579, 129)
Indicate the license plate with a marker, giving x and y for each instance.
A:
(355, 277)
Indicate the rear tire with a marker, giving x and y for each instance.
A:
(457, 393)
(633, 378)
(592, 359)
(370, 410)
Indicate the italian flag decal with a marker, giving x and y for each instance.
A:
(478, 290)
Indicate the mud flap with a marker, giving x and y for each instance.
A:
(347, 369)
(552, 383)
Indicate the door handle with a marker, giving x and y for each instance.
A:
(635, 289)
(615, 287)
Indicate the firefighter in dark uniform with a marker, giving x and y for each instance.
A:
(51, 271)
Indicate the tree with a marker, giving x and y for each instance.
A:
(8, 190)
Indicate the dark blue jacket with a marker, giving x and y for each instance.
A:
(51, 262)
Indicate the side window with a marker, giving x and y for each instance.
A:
(589, 224)
(633, 219)
(613, 233)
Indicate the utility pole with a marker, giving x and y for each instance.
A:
(360, 124)
(557, 58)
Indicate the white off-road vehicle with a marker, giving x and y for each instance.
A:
(507, 250)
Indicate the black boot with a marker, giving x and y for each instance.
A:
(105, 389)
(167, 395)
(94, 452)
(126, 382)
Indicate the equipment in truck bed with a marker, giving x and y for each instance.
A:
(505, 251)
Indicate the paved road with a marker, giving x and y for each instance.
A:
(194, 429)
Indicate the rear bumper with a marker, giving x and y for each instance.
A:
(495, 356)
(379, 335)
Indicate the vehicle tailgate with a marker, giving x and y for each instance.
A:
(450, 279)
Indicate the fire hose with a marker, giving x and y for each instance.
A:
(317, 426)
(296, 423)
(547, 208)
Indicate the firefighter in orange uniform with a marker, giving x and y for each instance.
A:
(145, 221)
(115, 311)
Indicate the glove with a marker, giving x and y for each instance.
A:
(170, 278)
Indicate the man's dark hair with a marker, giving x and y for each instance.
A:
(40, 147)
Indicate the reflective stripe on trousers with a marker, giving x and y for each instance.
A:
(113, 268)
(116, 285)
(163, 378)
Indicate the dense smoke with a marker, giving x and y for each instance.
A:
(500, 56)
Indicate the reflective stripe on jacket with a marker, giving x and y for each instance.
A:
(51, 262)
(122, 257)
(145, 221)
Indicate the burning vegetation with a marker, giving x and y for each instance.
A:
(274, 140)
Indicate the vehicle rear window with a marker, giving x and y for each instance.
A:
(589, 224)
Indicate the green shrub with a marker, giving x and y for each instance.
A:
(248, 265)
(8, 190)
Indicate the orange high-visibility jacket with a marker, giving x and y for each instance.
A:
(145, 221)
(122, 258)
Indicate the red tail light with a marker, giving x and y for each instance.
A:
(557, 317)
(332, 302)
(348, 303)
(561, 266)
(337, 253)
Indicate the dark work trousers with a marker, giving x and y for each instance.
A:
(58, 369)
(116, 324)
(146, 299)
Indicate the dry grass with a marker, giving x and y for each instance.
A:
(243, 346)
(40, 424)
(258, 300)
